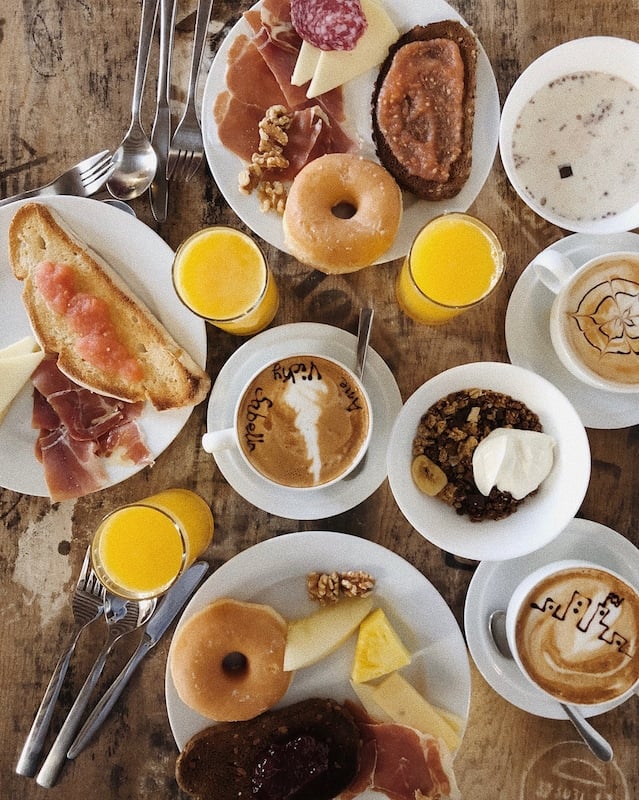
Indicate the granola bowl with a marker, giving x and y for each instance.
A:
(542, 515)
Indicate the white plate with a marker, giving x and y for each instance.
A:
(274, 572)
(144, 261)
(607, 54)
(225, 165)
(540, 518)
(528, 334)
(494, 582)
(287, 340)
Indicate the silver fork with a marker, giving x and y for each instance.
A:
(87, 604)
(187, 149)
(122, 617)
(82, 180)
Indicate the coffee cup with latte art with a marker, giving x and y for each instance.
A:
(573, 628)
(301, 422)
(594, 320)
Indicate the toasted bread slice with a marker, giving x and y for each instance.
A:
(454, 151)
(220, 762)
(167, 375)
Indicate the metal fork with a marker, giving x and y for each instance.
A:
(87, 604)
(187, 148)
(82, 180)
(122, 616)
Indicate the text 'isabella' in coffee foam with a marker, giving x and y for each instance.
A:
(304, 421)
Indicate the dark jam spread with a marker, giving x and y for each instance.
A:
(420, 107)
(283, 770)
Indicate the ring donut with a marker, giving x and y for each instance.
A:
(342, 213)
(226, 660)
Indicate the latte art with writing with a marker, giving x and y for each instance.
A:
(600, 315)
(577, 634)
(303, 421)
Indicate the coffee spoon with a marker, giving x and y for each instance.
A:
(595, 741)
(135, 159)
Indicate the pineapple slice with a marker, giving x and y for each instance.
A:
(378, 650)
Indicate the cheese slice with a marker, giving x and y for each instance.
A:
(17, 363)
(336, 67)
(305, 64)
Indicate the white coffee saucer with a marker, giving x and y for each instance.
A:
(528, 335)
(492, 585)
(288, 340)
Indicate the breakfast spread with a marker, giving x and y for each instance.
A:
(424, 108)
(315, 232)
(446, 439)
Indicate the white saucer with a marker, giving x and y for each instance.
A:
(528, 335)
(286, 340)
(492, 585)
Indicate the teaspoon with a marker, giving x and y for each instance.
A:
(135, 159)
(595, 741)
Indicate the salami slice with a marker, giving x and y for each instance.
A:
(329, 24)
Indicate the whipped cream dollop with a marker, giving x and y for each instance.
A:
(513, 460)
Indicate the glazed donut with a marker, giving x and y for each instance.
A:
(317, 236)
(226, 660)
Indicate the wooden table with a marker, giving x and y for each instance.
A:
(67, 75)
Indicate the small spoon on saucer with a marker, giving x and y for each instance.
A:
(135, 159)
(595, 741)
(363, 336)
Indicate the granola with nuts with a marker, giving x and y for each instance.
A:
(328, 587)
(446, 438)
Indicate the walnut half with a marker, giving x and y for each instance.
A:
(327, 587)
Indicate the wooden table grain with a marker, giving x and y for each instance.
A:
(65, 90)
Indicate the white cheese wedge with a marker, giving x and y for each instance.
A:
(305, 64)
(336, 67)
(17, 363)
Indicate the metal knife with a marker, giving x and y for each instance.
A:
(167, 610)
(161, 131)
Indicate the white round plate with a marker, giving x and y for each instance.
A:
(528, 334)
(538, 520)
(492, 585)
(606, 54)
(225, 165)
(287, 340)
(274, 572)
(144, 261)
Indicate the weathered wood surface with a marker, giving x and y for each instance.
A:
(67, 72)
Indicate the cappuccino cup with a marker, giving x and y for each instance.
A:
(594, 317)
(573, 628)
(301, 422)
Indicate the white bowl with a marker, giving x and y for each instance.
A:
(541, 517)
(607, 54)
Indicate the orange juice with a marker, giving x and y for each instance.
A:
(454, 263)
(222, 276)
(140, 549)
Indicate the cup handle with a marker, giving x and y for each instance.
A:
(213, 441)
(553, 269)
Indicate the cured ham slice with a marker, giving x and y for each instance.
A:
(78, 430)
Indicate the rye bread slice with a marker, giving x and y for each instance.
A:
(460, 168)
(171, 378)
(219, 762)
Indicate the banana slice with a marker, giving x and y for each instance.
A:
(429, 477)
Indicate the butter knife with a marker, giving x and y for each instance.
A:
(167, 610)
(161, 131)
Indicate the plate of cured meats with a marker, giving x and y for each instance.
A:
(144, 261)
(238, 77)
(274, 573)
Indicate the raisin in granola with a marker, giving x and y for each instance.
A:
(448, 434)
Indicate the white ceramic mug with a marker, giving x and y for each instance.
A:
(573, 629)
(303, 422)
(592, 317)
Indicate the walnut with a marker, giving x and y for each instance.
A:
(328, 587)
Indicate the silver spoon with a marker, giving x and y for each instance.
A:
(363, 336)
(595, 741)
(135, 159)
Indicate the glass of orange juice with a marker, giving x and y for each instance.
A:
(140, 549)
(222, 276)
(454, 263)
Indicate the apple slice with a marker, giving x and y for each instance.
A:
(312, 638)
